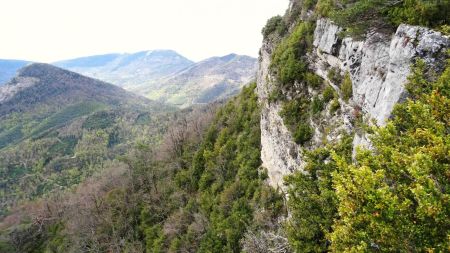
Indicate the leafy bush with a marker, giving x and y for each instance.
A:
(328, 94)
(274, 24)
(312, 200)
(303, 133)
(334, 75)
(313, 80)
(346, 87)
(275, 95)
(393, 198)
(418, 84)
(289, 58)
(317, 105)
(431, 13)
(334, 105)
(295, 111)
(360, 15)
(324, 7)
(402, 189)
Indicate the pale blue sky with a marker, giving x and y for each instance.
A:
(50, 30)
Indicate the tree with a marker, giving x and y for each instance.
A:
(398, 197)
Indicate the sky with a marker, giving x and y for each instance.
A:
(51, 30)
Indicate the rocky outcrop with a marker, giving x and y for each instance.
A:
(278, 149)
(20, 83)
(378, 66)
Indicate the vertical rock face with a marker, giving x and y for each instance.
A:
(279, 151)
(378, 67)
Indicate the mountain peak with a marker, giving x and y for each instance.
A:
(40, 70)
(44, 84)
(229, 57)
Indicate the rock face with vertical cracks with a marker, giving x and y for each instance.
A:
(378, 66)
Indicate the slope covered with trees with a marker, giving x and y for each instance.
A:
(57, 128)
(203, 187)
(202, 190)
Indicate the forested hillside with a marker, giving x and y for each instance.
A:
(341, 145)
(203, 189)
(57, 128)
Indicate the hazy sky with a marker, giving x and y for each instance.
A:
(50, 30)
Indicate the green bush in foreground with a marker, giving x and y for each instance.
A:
(395, 198)
(398, 199)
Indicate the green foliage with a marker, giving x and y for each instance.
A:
(289, 58)
(295, 111)
(445, 29)
(99, 120)
(275, 95)
(229, 196)
(312, 200)
(67, 114)
(295, 114)
(317, 105)
(303, 133)
(154, 239)
(346, 87)
(328, 94)
(324, 7)
(334, 75)
(335, 105)
(64, 146)
(143, 119)
(313, 80)
(202, 198)
(274, 24)
(397, 199)
(430, 13)
(359, 15)
(65, 152)
(10, 136)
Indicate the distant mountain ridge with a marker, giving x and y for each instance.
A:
(41, 83)
(162, 75)
(206, 81)
(128, 70)
(167, 76)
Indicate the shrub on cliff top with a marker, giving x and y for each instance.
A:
(274, 24)
(289, 59)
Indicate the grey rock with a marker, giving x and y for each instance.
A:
(378, 66)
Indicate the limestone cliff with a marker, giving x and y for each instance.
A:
(378, 67)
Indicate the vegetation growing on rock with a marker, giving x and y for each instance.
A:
(394, 198)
